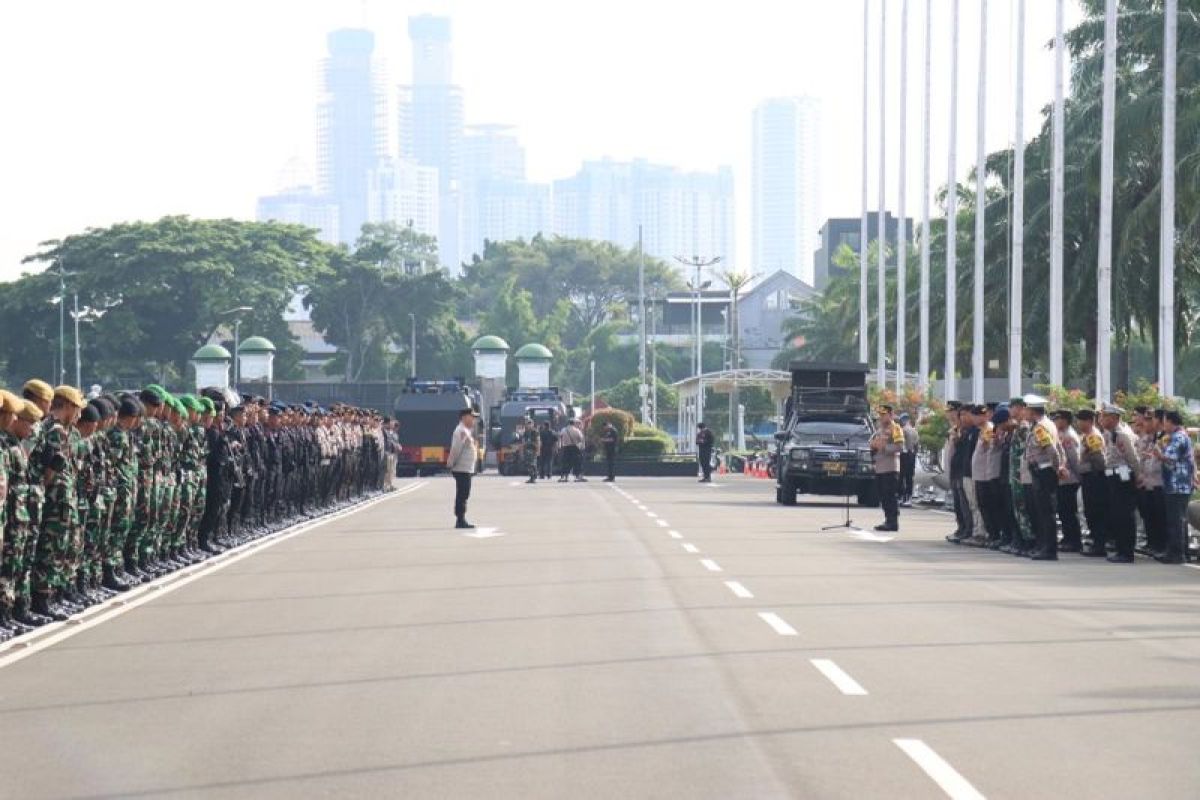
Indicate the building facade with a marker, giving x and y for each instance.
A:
(763, 315)
(786, 184)
(405, 193)
(839, 231)
(301, 205)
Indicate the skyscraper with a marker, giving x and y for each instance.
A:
(786, 202)
(431, 125)
(351, 127)
(405, 193)
(498, 203)
(681, 213)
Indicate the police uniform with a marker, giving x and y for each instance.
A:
(1044, 457)
(1068, 486)
(1093, 482)
(1122, 473)
(886, 445)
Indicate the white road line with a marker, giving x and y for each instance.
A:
(55, 632)
(777, 623)
(1192, 566)
(675, 534)
(651, 515)
(944, 775)
(710, 565)
(662, 523)
(837, 676)
(739, 590)
(690, 548)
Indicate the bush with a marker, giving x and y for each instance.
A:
(648, 442)
(622, 420)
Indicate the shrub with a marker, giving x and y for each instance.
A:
(622, 420)
(648, 442)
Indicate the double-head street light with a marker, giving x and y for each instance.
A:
(697, 286)
(237, 331)
(85, 314)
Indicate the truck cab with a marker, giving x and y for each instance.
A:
(824, 446)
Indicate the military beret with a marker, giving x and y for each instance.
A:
(90, 413)
(129, 408)
(150, 397)
(237, 410)
(953, 405)
(1017, 401)
(191, 403)
(206, 405)
(10, 403)
(107, 409)
(1001, 415)
(29, 412)
(38, 389)
(71, 395)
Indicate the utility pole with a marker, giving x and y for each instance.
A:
(643, 390)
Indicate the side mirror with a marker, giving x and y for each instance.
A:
(781, 436)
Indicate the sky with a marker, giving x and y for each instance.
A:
(133, 109)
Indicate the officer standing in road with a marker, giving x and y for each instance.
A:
(1046, 461)
(461, 463)
(886, 445)
(610, 439)
(704, 451)
(1093, 482)
(1122, 472)
(531, 444)
(1068, 485)
(549, 440)
(908, 460)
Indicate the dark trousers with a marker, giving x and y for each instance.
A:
(1068, 514)
(610, 460)
(1122, 527)
(566, 460)
(1152, 507)
(888, 484)
(1175, 508)
(1005, 518)
(985, 497)
(1041, 511)
(705, 458)
(1095, 506)
(462, 492)
(908, 468)
(962, 508)
(545, 464)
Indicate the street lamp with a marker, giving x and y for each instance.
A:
(85, 314)
(237, 331)
(412, 351)
(697, 287)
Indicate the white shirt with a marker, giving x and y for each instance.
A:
(462, 450)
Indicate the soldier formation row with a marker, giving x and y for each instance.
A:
(1015, 470)
(100, 495)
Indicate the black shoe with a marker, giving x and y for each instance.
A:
(112, 581)
(608, 480)
(1166, 559)
(1092, 552)
(954, 538)
(30, 618)
(885, 527)
(1117, 558)
(43, 607)
(1045, 555)
(581, 480)
(1069, 548)
(462, 524)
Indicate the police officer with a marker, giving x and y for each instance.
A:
(704, 451)
(1093, 482)
(1068, 484)
(549, 440)
(1122, 473)
(886, 444)
(610, 438)
(908, 460)
(1044, 456)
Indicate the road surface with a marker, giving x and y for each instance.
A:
(654, 638)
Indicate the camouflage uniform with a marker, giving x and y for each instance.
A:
(52, 462)
(123, 458)
(20, 513)
(531, 445)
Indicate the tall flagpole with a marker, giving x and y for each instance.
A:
(1104, 261)
(980, 207)
(901, 227)
(1016, 304)
(1056, 205)
(951, 391)
(881, 227)
(923, 357)
(863, 298)
(1166, 242)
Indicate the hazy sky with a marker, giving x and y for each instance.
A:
(123, 109)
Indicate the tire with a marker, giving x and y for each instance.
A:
(787, 491)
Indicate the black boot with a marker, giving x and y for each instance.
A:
(43, 607)
(112, 581)
(463, 524)
(25, 616)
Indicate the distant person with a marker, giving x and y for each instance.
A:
(609, 439)
(886, 444)
(908, 459)
(461, 462)
(570, 443)
(704, 451)
(546, 456)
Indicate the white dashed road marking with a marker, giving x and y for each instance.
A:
(777, 624)
(739, 590)
(936, 767)
(838, 677)
(710, 565)
(690, 548)
(661, 523)
(675, 534)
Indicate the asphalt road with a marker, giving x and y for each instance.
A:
(656, 638)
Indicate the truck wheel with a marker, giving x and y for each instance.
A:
(868, 497)
(786, 493)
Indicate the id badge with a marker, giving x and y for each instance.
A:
(1123, 473)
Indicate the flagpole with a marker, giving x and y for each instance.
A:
(1104, 261)
(923, 357)
(1016, 305)
(901, 224)
(1056, 206)
(980, 209)
(951, 389)
(1166, 242)
(881, 220)
(863, 231)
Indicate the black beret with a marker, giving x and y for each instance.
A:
(90, 413)
(107, 409)
(130, 408)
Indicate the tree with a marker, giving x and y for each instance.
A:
(166, 284)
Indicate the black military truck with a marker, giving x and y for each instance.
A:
(824, 447)
(428, 412)
(540, 405)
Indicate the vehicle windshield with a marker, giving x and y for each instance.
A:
(830, 428)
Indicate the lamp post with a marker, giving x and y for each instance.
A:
(412, 351)
(699, 263)
(86, 314)
(237, 331)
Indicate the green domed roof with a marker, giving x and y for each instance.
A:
(212, 352)
(533, 351)
(490, 343)
(256, 344)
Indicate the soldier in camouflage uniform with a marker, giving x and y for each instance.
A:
(531, 445)
(92, 510)
(21, 513)
(123, 457)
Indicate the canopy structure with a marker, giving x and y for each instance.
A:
(778, 382)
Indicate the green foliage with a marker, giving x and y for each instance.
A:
(932, 430)
(648, 442)
(165, 284)
(625, 396)
(622, 420)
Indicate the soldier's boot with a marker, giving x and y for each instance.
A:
(43, 606)
(26, 616)
(9, 621)
(113, 581)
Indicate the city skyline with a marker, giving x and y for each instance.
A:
(568, 103)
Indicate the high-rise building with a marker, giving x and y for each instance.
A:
(498, 203)
(405, 193)
(351, 127)
(300, 205)
(681, 213)
(431, 125)
(847, 231)
(786, 185)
